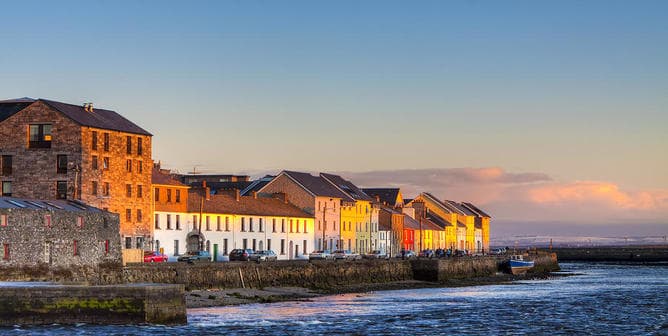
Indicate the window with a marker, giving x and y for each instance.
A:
(75, 247)
(305, 231)
(140, 242)
(227, 223)
(291, 226)
(208, 223)
(156, 194)
(140, 149)
(176, 247)
(129, 144)
(105, 139)
(194, 222)
(282, 246)
(106, 247)
(40, 136)
(243, 224)
(61, 189)
(47, 221)
(305, 249)
(6, 165)
(6, 188)
(273, 225)
(128, 215)
(128, 242)
(157, 222)
(225, 246)
(140, 166)
(80, 222)
(169, 221)
(93, 140)
(261, 225)
(178, 196)
(283, 225)
(6, 248)
(178, 222)
(140, 216)
(128, 165)
(297, 226)
(169, 195)
(105, 162)
(61, 164)
(93, 162)
(3, 220)
(106, 189)
(218, 223)
(140, 191)
(250, 222)
(268, 244)
(128, 190)
(244, 243)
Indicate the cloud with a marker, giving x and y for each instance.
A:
(526, 197)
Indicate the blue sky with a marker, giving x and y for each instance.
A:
(576, 90)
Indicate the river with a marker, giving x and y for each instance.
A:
(603, 299)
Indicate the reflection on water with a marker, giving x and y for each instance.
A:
(605, 299)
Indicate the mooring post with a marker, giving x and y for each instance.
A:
(241, 276)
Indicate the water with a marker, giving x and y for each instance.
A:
(604, 300)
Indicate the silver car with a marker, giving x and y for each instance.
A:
(266, 255)
(320, 255)
(346, 255)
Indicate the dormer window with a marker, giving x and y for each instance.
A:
(39, 136)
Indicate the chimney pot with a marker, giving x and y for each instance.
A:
(237, 194)
(255, 194)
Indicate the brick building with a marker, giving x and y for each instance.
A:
(56, 233)
(54, 150)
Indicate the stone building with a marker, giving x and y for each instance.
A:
(56, 233)
(54, 150)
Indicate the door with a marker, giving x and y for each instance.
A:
(291, 250)
(215, 252)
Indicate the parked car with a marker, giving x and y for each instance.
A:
(346, 255)
(153, 256)
(460, 253)
(407, 254)
(320, 255)
(426, 253)
(240, 254)
(195, 256)
(375, 254)
(266, 255)
(498, 251)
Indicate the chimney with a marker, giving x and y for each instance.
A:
(378, 198)
(237, 194)
(255, 194)
(207, 191)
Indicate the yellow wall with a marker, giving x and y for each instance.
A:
(357, 219)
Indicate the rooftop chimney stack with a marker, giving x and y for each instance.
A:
(255, 194)
(236, 194)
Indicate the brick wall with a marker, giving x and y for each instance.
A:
(26, 239)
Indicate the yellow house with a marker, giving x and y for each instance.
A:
(358, 232)
(482, 221)
(440, 213)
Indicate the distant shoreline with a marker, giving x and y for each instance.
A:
(630, 254)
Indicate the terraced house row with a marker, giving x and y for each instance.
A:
(55, 150)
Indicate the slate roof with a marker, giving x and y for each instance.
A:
(387, 195)
(438, 220)
(445, 207)
(427, 224)
(317, 185)
(257, 185)
(158, 177)
(247, 205)
(99, 118)
(475, 209)
(24, 203)
(346, 186)
(460, 208)
(410, 223)
(223, 185)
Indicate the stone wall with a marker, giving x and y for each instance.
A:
(441, 270)
(158, 304)
(27, 240)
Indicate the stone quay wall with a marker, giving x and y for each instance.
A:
(313, 274)
(123, 304)
(614, 253)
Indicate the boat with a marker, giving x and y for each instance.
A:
(518, 265)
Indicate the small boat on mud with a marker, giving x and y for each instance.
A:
(518, 265)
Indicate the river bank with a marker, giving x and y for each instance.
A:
(631, 254)
(240, 296)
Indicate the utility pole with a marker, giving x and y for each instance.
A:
(199, 229)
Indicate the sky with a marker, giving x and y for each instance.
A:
(541, 112)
